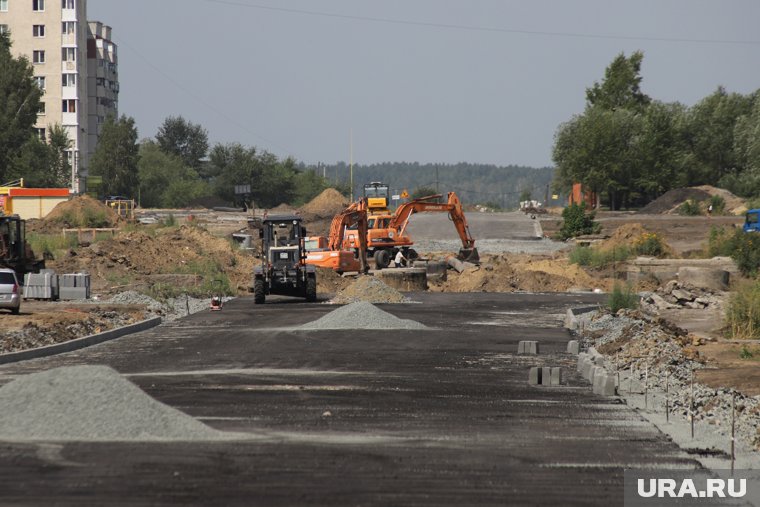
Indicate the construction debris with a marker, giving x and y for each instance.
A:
(361, 315)
(676, 295)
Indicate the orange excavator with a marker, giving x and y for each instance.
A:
(336, 252)
(386, 233)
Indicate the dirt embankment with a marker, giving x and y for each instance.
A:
(82, 211)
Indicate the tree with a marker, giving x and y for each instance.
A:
(186, 140)
(165, 181)
(621, 87)
(59, 144)
(116, 157)
(423, 191)
(19, 104)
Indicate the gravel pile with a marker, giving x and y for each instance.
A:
(369, 289)
(91, 403)
(361, 315)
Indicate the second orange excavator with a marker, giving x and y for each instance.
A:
(336, 251)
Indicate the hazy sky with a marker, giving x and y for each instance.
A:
(482, 81)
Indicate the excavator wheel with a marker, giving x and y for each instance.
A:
(412, 254)
(382, 259)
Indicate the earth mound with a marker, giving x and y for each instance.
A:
(327, 204)
(369, 289)
(82, 211)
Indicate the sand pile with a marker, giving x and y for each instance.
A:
(91, 403)
(361, 315)
(82, 211)
(327, 204)
(734, 205)
(369, 289)
(673, 199)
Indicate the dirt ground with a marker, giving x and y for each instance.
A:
(726, 368)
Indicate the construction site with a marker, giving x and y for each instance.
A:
(429, 352)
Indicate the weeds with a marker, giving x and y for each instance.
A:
(622, 297)
(649, 244)
(597, 258)
(743, 247)
(50, 246)
(690, 208)
(745, 353)
(743, 312)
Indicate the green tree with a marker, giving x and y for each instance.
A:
(621, 87)
(184, 139)
(165, 181)
(19, 104)
(116, 157)
(423, 191)
(59, 144)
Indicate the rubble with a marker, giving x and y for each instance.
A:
(676, 295)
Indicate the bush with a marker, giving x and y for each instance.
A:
(622, 298)
(745, 353)
(743, 313)
(718, 205)
(649, 244)
(743, 247)
(690, 208)
(576, 222)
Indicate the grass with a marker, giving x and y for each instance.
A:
(622, 297)
(50, 246)
(208, 270)
(597, 258)
(743, 312)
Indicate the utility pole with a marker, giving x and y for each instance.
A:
(351, 162)
(437, 190)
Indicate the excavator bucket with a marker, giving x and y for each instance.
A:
(469, 255)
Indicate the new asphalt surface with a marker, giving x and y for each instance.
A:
(443, 416)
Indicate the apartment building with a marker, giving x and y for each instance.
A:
(75, 63)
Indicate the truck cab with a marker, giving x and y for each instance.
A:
(752, 221)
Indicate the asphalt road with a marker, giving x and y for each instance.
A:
(437, 417)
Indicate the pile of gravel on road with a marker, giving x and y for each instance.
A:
(91, 403)
(370, 290)
(360, 315)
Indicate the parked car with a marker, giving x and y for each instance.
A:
(10, 292)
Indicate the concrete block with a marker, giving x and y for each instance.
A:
(546, 376)
(607, 387)
(581, 360)
(74, 293)
(527, 347)
(599, 360)
(704, 278)
(573, 347)
(534, 376)
(586, 369)
(556, 377)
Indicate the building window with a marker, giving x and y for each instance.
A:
(67, 4)
(69, 106)
(69, 79)
(3, 28)
(42, 108)
(38, 30)
(38, 5)
(69, 54)
(69, 27)
(3, 5)
(41, 134)
(38, 57)
(40, 80)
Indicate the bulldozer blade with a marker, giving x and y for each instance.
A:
(469, 255)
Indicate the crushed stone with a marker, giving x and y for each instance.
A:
(361, 315)
(369, 289)
(91, 403)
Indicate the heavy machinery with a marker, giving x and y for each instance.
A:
(335, 252)
(386, 233)
(15, 252)
(283, 269)
(752, 221)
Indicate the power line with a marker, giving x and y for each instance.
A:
(476, 28)
(198, 98)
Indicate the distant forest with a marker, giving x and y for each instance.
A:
(495, 186)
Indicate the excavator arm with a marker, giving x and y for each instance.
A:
(355, 214)
(453, 207)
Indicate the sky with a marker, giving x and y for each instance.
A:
(439, 81)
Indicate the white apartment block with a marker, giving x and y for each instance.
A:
(75, 63)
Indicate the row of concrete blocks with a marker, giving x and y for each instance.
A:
(545, 376)
(75, 280)
(591, 367)
(527, 347)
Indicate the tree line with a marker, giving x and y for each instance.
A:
(631, 148)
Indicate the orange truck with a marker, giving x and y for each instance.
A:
(386, 233)
(336, 252)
